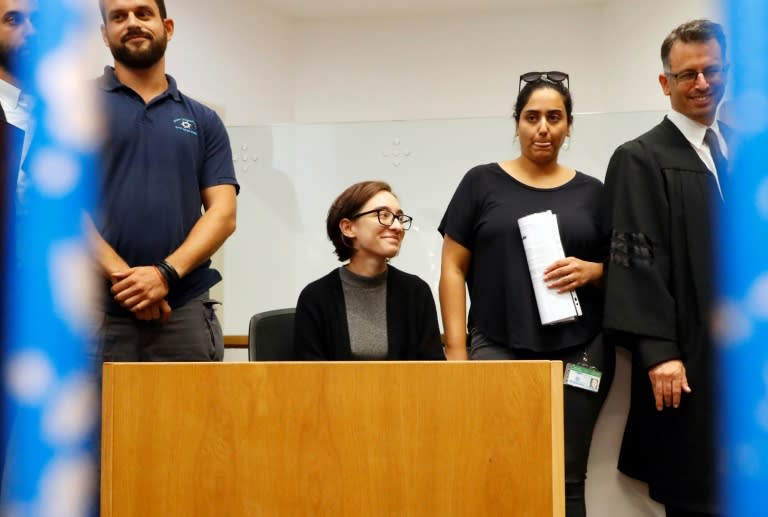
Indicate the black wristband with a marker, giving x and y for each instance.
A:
(169, 272)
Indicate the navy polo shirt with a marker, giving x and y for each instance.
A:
(156, 160)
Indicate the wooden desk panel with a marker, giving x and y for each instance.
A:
(337, 439)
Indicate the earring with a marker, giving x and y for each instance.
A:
(566, 143)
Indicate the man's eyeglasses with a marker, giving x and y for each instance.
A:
(551, 77)
(387, 218)
(711, 73)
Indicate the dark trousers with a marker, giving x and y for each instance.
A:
(581, 407)
(193, 333)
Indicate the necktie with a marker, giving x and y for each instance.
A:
(721, 163)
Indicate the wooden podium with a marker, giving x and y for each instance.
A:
(337, 439)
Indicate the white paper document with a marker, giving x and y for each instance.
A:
(541, 240)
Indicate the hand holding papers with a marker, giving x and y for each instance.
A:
(541, 240)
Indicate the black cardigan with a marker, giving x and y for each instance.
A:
(321, 332)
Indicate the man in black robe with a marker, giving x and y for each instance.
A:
(662, 190)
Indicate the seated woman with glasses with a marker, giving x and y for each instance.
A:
(367, 309)
(483, 249)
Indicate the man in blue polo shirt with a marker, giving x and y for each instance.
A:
(165, 158)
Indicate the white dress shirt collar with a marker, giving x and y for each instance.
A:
(694, 131)
(9, 96)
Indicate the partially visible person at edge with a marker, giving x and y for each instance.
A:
(367, 309)
(483, 249)
(16, 32)
(166, 157)
(663, 188)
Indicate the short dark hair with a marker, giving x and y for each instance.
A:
(525, 95)
(346, 206)
(160, 7)
(701, 30)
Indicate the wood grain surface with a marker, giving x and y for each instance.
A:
(337, 439)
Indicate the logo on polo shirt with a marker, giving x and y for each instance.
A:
(186, 125)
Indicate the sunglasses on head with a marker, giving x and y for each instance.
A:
(551, 77)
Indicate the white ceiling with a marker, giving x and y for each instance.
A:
(356, 8)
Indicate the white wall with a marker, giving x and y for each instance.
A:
(437, 67)
(257, 66)
(237, 56)
(232, 55)
(448, 66)
(633, 32)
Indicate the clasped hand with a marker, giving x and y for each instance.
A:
(142, 290)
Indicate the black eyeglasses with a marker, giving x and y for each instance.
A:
(387, 218)
(551, 77)
(711, 73)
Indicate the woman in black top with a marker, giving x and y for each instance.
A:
(367, 309)
(483, 249)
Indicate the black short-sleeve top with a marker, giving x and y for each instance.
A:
(482, 216)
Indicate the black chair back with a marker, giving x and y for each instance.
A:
(270, 336)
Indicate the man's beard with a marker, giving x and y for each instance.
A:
(10, 57)
(141, 58)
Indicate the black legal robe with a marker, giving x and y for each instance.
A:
(11, 142)
(659, 282)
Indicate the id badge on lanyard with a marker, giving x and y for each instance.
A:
(582, 375)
